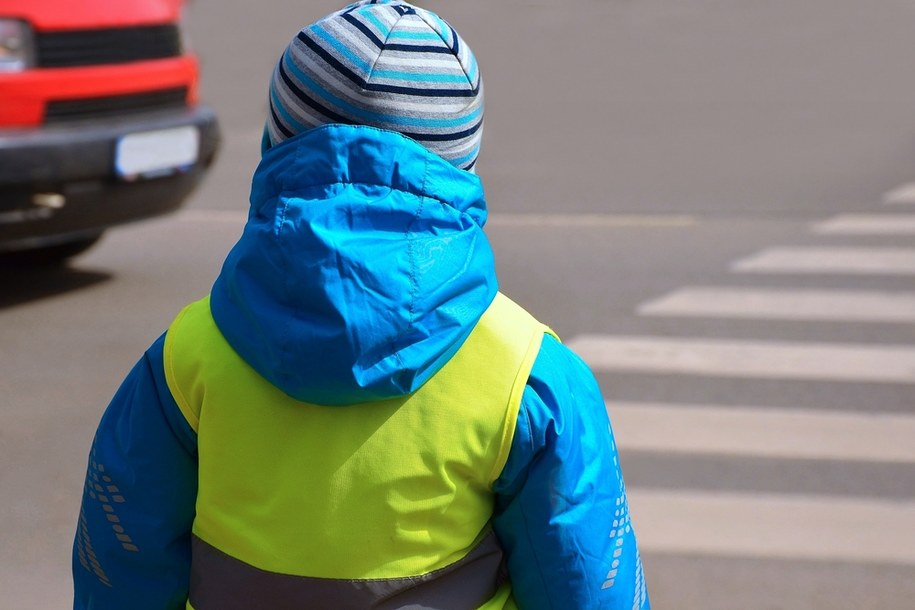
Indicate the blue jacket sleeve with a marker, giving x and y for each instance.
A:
(561, 510)
(132, 547)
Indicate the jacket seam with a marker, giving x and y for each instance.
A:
(544, 581)
(171, 377)
(414, 284)
(423, 194)
(516, 397)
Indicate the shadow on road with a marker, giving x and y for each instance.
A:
(24, 284)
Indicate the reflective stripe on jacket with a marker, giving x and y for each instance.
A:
(376, 505)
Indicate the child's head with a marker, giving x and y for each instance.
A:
(387, 64)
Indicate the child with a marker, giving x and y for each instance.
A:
(355, 417)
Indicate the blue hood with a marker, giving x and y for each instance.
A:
(362, 268)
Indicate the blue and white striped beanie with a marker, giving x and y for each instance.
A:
(387, 64)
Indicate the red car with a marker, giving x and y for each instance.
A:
(100, 121)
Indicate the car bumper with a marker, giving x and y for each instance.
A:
(59, 183)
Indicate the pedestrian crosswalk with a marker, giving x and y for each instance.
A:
(789, 525)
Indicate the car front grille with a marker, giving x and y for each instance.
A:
(69, 48)
(63, 111)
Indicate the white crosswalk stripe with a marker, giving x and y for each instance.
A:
(822, 528)
(828, 260)
(784, 304)
(757, 359)
(901, 195)
(867, 224)
(763, 432)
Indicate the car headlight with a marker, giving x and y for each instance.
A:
(15, 45)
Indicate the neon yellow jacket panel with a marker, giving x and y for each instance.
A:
(293, 498)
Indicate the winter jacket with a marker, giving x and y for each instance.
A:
(361, 272)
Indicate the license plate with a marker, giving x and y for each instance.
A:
(155, 153)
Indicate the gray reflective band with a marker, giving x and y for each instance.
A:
(221, 582)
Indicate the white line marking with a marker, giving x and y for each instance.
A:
(867, 224)
(856, 530)
(784, 304)
(764, 360)
(902, 195)
(871, 261)
(763, 432)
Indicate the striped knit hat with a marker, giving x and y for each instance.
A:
(387, 64)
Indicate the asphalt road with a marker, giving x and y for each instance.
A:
(647, 164)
